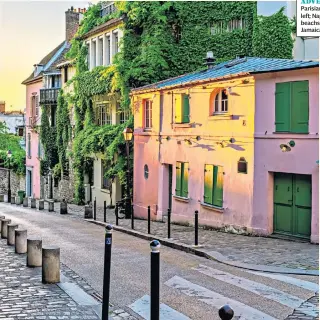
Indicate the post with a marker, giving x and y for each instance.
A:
(13, 199)
(155, 280)
(21, 241)
(51, 206)
(1, 197)
(9, 182)
(34, 252)
(63, 207)
(95, 209)
(4, 228)
(116, 212)
(41, 204)
(88, 211)
(132, 217)
(169, 223)
(18, 200)
(1, 218)
(50, 265)
(149, 220)
(128, 201)
(106, 272)
(196, 217)
(226, 313)
(25, 202)
(11, 234)
(33, 203)
(104, 211)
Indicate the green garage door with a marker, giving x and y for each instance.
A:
(292, 204)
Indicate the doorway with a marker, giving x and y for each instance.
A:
(29, 183)
(292, 204)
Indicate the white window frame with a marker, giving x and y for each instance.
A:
(221, 105)
(108, 48)
(147, 114)
(104, 114)
(100, 51)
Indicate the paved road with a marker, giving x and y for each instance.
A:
(191, 287)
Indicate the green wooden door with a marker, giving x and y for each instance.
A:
(292, 204)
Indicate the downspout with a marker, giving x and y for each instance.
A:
(172, 110)
(160, 125)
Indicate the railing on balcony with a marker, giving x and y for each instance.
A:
(107, 7)
(49, 96)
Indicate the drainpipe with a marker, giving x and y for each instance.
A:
(172, 110)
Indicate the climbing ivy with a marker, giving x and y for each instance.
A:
(272, 36)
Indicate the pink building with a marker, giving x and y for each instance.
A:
(42, 88)
(228, 142)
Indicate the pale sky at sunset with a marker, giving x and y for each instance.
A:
(31, 29)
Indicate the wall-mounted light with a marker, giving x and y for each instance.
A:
(232, 140)
(198, 138)
(168, 138)
(287, 147)
(178, 142)
(188, 142)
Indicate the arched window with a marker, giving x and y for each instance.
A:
(221, 102)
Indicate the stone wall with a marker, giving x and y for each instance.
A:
(17, 182)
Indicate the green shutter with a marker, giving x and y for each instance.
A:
(282, 107)
(185, 109)
(218, 186)
(185, 179)
(178, 108)
(178, 179)
(208, 183)
(300, 106)
(283, 188)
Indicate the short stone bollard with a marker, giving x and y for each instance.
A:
(63, 207)
(34, 252)
(1, 217)
(33, 203)
(13, 200)
(18, 200)
(11, 234)
(25, 202)
(4, 228)
(88, 212)
(1, 197)
(50, 264)
(21, 241)
(41, 204)
(51, 206)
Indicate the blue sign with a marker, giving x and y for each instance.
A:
(108, 241)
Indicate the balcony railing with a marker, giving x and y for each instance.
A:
(49, 96)
(107, 7)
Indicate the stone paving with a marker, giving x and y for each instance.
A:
(240, 248)
(298, 314)
(24, 296)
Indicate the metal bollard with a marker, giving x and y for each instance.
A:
(149, 220)
(169, 223)
(34, 252)
(196, 226)
(21, 241)
(117, 214)
(106, 272)
(50, 265)
(33, 203)
(41, 204)
(63, 207)
(4, 228)
(104, 211)
(25, 202)
(155, 280)
(1, 218)
(95, 209)
(88, 211)
(226, 313)
(132, 217)
(13, 200)
(51, 206)
(11, 234)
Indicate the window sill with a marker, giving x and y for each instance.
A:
(212, 207)
(181, 125)
(220, 116)
(147, 130)
(105, 190)
(289, 132)
(182, 199)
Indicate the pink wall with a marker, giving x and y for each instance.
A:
(268, 156)
(33, 162)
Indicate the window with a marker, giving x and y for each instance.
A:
(105, 182)
(182, 177)
(217, 27)
(100, 52)
(213, 185)
(182, 108)
(221, 102)
(55, 81)
(20, 132)
(146, 171)
(124, 116)
(65, 74)
(108, 59)
(37, 106)
(29, 145)
(93, 54)
(147, 114)
(116, 42)
(104, 115)
(292, 107)
(53, 115)
(236, 24)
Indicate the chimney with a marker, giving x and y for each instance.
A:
(210, 60)
(72, 22)
(2, 106)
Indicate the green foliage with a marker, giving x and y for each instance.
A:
(12, 142)
(272, 36)
(293, 24)
(3, 128)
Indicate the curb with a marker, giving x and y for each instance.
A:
(213, 255)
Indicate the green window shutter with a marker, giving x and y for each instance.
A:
(208, 183)
(178, 108)
(185, 109)
(185, 179)
(218, 186)
(178, 179)
(300, 106)
(283, 107)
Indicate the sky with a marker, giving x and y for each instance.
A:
(29, 30)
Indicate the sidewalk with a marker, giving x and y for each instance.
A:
(24, 296)
(256, 253)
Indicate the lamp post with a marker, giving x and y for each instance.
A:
(9, 154)
(127, 134)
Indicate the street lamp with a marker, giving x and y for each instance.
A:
(9, 154)
(127, 134)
